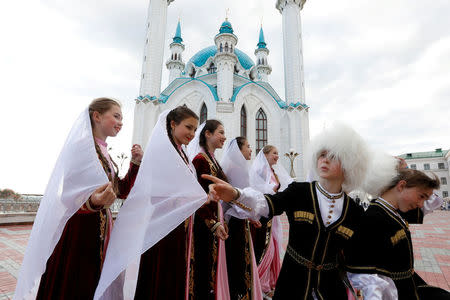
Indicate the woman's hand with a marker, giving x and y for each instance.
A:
(221, 232)
(220, 190)
(103, 196)
(257, 224)
(136, 153)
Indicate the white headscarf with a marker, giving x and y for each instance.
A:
(166, 193)
(194, 147)
(77, 174)
(261, 173)
(260, 179)
(235, 166)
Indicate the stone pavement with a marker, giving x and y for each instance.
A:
(431, 247)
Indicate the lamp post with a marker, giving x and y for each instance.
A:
(292, 155)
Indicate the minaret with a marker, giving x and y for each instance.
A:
(151, 70)
(263, 68)
(292, 48)
(225, 60)
(298, 111)
(175, 63)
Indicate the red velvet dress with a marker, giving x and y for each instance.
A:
(73, 270)
(162, 270)
(205, 243)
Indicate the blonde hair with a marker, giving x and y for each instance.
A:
(102, 105)
(267, 148)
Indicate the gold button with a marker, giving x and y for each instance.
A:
(331, 211)
(329, 217)
(332, 206)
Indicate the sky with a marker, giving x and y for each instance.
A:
(381, 66)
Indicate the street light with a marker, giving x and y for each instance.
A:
(292, 155)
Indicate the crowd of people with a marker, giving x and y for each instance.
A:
(194, 227)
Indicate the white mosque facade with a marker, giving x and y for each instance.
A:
(224, 83)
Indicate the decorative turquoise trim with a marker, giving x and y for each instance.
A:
(200, 58)
(164, 98)
(282, 104)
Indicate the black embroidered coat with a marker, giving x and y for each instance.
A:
(311, 260)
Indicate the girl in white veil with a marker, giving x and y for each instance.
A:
(71, 230)
(268, 177)
(165, 195)
(210, 267)
(242, 268)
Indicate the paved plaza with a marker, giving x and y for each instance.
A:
(431, 247)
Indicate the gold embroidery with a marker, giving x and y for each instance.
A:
(345, 232)
(399, 235)
(305, 216)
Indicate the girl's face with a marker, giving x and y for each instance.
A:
(110, 122)
(329, 167)
(272, 156)
(217, 138)
(246, 150)
(184, 132)
(412, 197)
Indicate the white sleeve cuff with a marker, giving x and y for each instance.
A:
(252, 199)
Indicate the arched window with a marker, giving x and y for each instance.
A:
(261, 130)
(175, 56)
(243, 121)
(221, 48)
(203, 113)
(212, 68)
(226, 47)
(231, 48)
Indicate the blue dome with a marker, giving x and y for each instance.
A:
(226, 27)
(200, 58)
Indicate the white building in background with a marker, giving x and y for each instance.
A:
(222, 82)
(436, 162)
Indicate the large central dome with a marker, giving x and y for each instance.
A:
(200, 58)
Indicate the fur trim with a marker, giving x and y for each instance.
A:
(382, 170)
(345, 144)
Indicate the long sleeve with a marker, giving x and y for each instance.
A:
(265, 205)
(252, 199)
(431, 204)
(374, 286)
(127, 182)
(208, 212)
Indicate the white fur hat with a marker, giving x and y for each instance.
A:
(342, 142)
(382, 170)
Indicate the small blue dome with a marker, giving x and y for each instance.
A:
(200, 58)
(226, 27)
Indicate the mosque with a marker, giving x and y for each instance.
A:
(222, 82)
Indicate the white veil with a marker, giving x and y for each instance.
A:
(75, 177)
(260, 179)
(166, 192)
(194, 147)
(235, 166)
(260, 175)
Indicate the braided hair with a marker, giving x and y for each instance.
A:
(211, 126)
(102, 105)
(177, 115)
